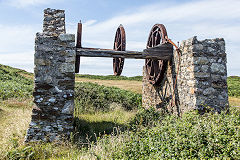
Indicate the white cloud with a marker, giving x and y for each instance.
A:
(23, 60)
(17, 45)
(17, 38)
(205, 19)
(26, 3)
(89, 23)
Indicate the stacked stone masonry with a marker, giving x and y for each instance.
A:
(52, 115)
(54, 22)
(201, 82)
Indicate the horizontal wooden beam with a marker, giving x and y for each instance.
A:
(162, 51)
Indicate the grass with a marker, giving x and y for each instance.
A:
(15, 118)
(92, 97)
(13, 84)
(234, 86)
(233, 101)
(116, 132)
(118, 115)
(90, 126)
(193, 136)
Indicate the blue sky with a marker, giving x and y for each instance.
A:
(21, 19)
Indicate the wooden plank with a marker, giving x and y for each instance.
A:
(163, 52)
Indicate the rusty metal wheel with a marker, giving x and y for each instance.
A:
(119, 45)
(155, 69)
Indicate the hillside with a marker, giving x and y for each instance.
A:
(114, 126)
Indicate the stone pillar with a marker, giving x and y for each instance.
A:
(54, 60)
(201, 80)
(54, 22)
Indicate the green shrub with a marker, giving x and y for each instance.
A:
(93, 97)
(192, 136)
(13, 84)
(234, 86)
(146, 118)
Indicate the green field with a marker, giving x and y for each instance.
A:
(111, 124)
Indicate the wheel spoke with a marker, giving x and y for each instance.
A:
(119, 45)
(155, 69)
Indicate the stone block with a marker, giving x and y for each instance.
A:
(68, 108)
(200, 60)
(67, 37)
(208, 91)
(66, 68)
(197, 47)
(202, 75)
(218, 68)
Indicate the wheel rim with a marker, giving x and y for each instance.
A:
(119, 45)
(155, 69)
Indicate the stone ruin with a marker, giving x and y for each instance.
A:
(200, 72)
(201, 79)
(54, 61)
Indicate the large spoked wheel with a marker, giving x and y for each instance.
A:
(119, 45)
(155, 69)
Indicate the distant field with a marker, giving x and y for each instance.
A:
(109, 77)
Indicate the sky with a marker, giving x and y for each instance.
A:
(20, 20)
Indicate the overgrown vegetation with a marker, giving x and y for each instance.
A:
(13, 84)
(234, 86)
(109, 124)
(99, 109)
(192, 136)
(109, 77)
(91, 97)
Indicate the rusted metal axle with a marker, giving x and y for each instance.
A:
(162, 51)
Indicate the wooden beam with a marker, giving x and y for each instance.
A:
(163, 52)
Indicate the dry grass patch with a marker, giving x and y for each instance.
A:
(29, 75)
(14, 121)
(134, 86)
(233, 101)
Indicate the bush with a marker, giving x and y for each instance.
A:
(234, 86)
(13, 84)
(146, 118)
(93, 97)
(192, 136)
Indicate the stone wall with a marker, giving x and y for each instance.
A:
(54, 60)
(201, 81)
